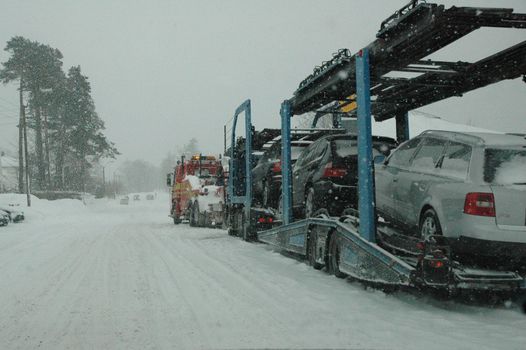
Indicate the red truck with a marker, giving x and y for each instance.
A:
(197, 191)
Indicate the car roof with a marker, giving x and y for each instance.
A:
(480, 138)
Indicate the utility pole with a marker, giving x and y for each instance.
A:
(46, 146)
(26, 156)
(103, 182)
(21, 143)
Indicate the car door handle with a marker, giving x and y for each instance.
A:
(395, 179)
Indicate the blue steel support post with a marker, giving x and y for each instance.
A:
(248, 157)
(232, 163)
(286, 168)
(245, 199)
(365, 161)
(402, 127)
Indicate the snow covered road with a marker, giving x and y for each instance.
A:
(107, 276)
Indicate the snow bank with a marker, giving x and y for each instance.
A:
(41, 208)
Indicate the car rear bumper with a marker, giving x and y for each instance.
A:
(335, 198)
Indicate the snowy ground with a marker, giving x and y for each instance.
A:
(108, 276)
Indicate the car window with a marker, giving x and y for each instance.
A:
(345, 148)
(320, 149)
(456, 160)
(295, 152)
(428, 155)
(403, 154)
(306, 156)
(505, 166)
(316, 150)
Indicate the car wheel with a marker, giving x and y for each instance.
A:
(429, 224)
(177, 220)
(334, 258)
(310, 205)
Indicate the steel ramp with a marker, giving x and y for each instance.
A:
(369, 262)
(359, 258)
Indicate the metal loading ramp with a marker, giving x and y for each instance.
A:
(366, 261)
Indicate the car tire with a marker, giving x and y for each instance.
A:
(310, 202)
(429, 224)
(194, 215)
(334, 258)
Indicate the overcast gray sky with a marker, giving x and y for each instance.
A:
(165, 71)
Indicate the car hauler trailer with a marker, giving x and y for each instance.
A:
(352, 246)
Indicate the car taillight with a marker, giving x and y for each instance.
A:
(329, 171)
(266, 220)
(480, 204)
(276, 167)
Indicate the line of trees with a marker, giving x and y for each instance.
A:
(66, 132)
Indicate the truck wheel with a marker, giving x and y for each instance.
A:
(194, 215)
(310, 204)
(334, 258)
(245, 228)
(203, 219)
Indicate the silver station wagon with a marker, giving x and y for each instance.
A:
(469, 187)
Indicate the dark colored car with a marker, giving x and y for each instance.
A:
(325, 176)
(267, 172)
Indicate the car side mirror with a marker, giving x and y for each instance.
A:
(168, 179)
(379, 159)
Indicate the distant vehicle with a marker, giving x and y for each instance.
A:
(325, 176)
(468, 187)
(136, 197)
(4, 218)
(150, 197)
(125, 200)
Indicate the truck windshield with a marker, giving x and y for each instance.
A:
(505, 166)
